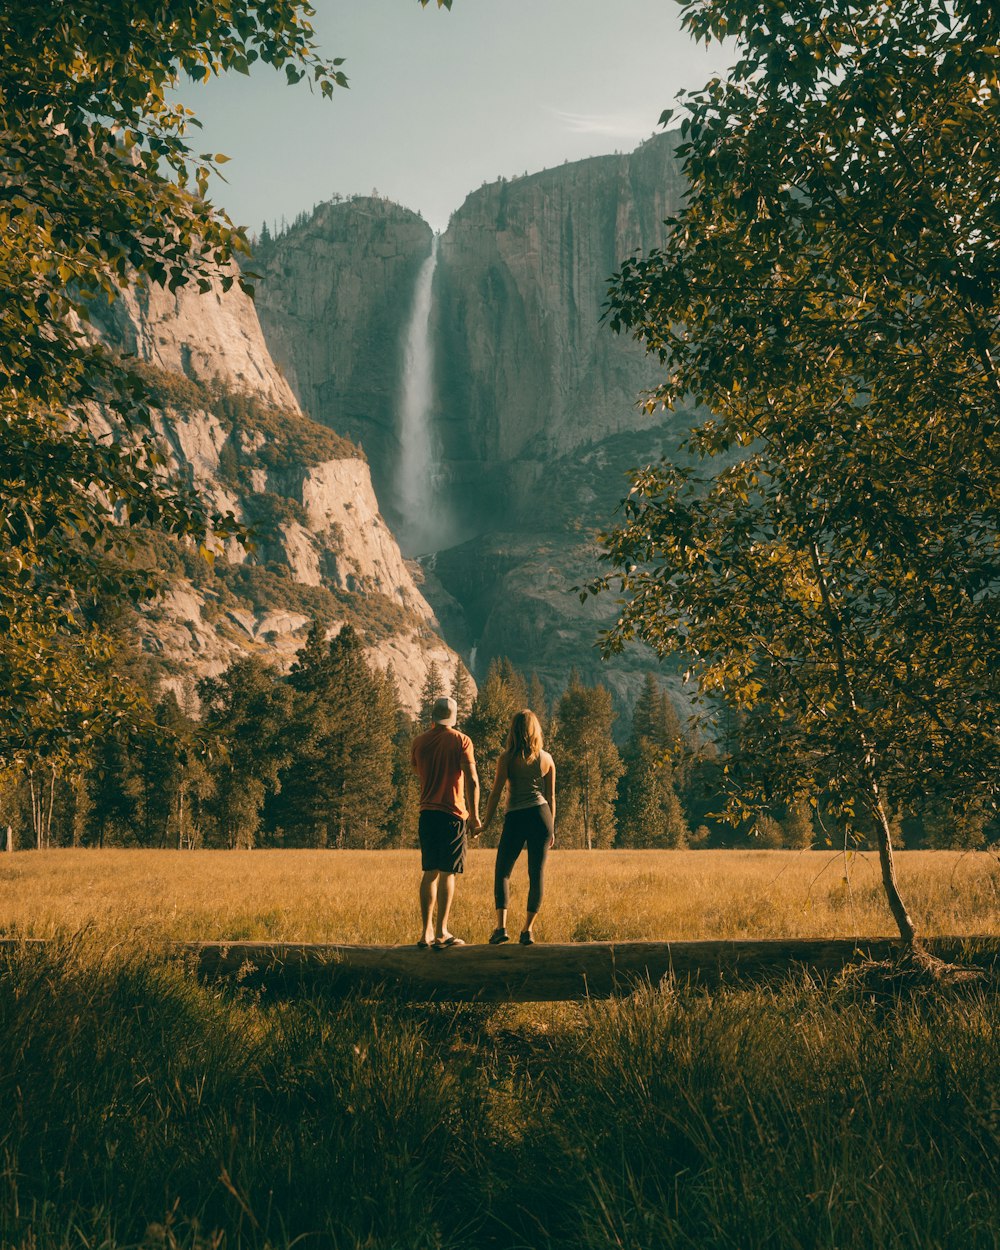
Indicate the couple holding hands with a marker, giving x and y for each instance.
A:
(445, 762)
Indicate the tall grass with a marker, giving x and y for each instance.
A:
(371, 896)
(141, 1108)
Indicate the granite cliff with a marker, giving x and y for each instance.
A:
(229, 423)
(533, 416)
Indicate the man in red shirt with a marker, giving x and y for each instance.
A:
(445, 762)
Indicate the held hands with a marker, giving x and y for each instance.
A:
(475, 827)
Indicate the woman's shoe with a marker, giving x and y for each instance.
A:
(498, 937)
(526, 939)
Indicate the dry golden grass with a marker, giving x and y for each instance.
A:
(371, 896)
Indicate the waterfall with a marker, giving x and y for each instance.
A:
(422, 509)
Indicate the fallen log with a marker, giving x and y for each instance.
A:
(557, 972)
(553, 972)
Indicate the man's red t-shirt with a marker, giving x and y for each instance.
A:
(437, 757)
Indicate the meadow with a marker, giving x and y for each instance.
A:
(140, 1108)
(371, 896)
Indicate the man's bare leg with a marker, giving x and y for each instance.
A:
(444, 904)
(428, 897)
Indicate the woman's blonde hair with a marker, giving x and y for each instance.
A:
(525, 736)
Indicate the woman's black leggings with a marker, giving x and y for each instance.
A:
(531, 827)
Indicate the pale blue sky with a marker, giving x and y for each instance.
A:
(440, 102)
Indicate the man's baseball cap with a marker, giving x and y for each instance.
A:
(445, 711)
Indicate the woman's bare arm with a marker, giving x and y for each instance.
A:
(549, 786)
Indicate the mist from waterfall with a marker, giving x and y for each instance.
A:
(426, 518)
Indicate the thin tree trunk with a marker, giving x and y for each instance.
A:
(873, 796)
(36, 817)
(52, 803)
(586, 811)
(907, 930)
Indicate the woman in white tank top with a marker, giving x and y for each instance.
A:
(528, 773)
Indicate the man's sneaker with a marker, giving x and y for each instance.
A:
(498, 937)
(526, 939)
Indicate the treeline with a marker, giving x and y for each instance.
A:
(320, 757)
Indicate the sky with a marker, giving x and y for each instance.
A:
(440, 102)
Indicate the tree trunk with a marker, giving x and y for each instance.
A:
(36, 815)
(586, 810)
(883, 832)
(551, 973)
(52, 803)
(873, 795)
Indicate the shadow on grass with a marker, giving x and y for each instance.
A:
(144, 1108)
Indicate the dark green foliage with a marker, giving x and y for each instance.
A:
(461, 692)
(99, 191)
(538, 702)
(649, 810)
(337, 786)
(830, 292)
(501, 695)
(433, 689)
(247, 713)
(588, 766)
(404, 810)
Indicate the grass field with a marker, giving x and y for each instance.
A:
(370, 896)
(141, 1109)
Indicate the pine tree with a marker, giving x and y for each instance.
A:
(588, 765)
(405, 806)
(247, 712)
(432, 690)
(649, 810)
(337, 788)
(175, 777)
(462, 692)
(501, 695)
(114, 790)
(538, 702)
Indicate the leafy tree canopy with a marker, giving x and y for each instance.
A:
(100, 189)
(829, 291)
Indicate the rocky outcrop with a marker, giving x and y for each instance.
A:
(333, 299)
(229, 425)
(209, 337)
(527, 369)
(536, 409)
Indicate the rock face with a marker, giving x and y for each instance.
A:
(230, 425)
(528, 372)
(202, 337)
(333, 299)
(535, 412)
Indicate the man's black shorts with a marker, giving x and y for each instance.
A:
(442, 842)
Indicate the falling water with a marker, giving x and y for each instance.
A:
(421, 507)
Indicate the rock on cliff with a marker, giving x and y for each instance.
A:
(334, 297)
(229, 424)
(535, 412)
(210, 337)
